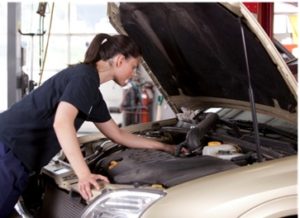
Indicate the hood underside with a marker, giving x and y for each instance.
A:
(195, 52)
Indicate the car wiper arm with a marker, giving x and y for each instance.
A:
(263, 127)
(251, 96)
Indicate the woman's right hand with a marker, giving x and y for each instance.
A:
(88, 182)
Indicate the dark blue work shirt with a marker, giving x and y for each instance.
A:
(27, 127)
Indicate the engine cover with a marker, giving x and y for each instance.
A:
(142, 166)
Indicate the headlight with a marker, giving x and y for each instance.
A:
(123, 203)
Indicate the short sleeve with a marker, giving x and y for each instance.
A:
(82, 93)
(99, 112)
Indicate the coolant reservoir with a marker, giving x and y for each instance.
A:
(223, 151)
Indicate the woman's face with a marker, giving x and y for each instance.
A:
(125, 69)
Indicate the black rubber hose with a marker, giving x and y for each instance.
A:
(195, 135)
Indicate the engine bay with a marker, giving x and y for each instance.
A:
(213, 144)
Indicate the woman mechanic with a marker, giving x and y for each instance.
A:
(34, 129)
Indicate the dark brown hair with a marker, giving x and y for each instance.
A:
(104, 47)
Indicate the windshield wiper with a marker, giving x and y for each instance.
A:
(263, 128)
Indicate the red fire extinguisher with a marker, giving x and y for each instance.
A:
(146, 102)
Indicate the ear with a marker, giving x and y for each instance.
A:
(119, 59)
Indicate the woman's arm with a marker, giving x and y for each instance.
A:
(120, 136)
(66, 134)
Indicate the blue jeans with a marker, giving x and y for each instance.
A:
(13, 180)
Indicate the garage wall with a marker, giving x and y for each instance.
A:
(3, 54)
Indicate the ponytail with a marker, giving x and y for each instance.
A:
(104, 47)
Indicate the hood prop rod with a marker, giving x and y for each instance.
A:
(251, 96)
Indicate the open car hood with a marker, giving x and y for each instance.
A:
(194, 53)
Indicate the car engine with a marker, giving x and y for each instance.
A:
(213, 145)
